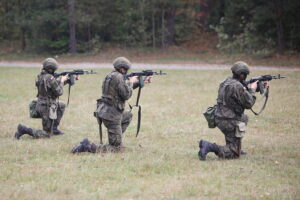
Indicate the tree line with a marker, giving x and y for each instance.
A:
(88, 25)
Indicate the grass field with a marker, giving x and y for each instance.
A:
(172, 55)
(162, 163)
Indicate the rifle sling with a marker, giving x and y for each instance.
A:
(139, 111)
(265, 103)
(138, 96)
(69, 92)
(139, 121)
(100, 129)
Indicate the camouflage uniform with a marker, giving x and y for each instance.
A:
(110, 109)
(232, 100)
(49, 89)
(115, 91)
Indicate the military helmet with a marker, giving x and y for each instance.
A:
(240, 67)
(122, 62)
(50, 63)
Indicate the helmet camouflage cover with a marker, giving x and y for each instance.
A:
(121, 62)
(50, 63)
(240, 67)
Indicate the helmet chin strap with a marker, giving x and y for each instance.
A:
(124, 71)
(50, 71)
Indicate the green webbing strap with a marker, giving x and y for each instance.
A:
(100, 129)
(265, 103)
(139, 111)
(139, 121)
(69, 92)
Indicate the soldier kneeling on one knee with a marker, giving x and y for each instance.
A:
(111, 108)
(233, 99)
(49, 109)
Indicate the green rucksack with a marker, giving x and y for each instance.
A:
(209, 115)
(32, 109)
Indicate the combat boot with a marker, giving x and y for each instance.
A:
(85, 146)
(205, 148)
(57, 132)
(23, 130)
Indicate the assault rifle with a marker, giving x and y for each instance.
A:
(71, 74)
(145, 73)
(260, 87)
(261, 79)
(71, 77)
(141, 78)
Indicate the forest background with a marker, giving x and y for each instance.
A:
(257, 28)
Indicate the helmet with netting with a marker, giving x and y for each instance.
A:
(121, 62)
(240, 67)
(50, 63)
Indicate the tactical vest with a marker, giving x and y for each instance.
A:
(110, 91)
(228, 109)
(221, 92)
(43, 87)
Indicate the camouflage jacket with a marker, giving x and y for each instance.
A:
(115, 91)
(48, 87)
(233, 99)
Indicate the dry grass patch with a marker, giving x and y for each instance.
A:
(162, 162)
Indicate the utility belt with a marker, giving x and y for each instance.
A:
(115, 103)
(52, 105)
(105, 100)
(235, 112)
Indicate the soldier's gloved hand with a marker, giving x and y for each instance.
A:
(76, 77)
(64, 78)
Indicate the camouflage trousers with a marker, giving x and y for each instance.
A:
(115, 130)
(48, 123)
(233, 138)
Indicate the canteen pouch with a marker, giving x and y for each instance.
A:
(240, 129)
(32, 109)
(209, 115)
(98, 106)
(53, 111)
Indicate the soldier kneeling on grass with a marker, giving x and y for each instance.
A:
(110, 108)
(233, 99)
(49, 109)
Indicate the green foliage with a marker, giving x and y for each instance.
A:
(252, 26)
(242, 26)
